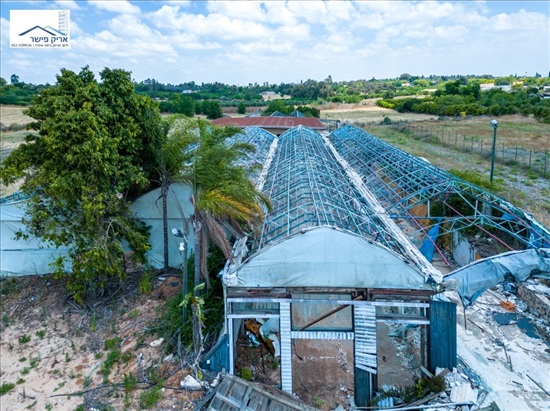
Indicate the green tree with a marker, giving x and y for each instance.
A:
(95, 146)
(224, 198)
(241, 109)
(277, 105)
(212, 109)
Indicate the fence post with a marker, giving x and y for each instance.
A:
(472, 149)
(516, 158)
(530, 152)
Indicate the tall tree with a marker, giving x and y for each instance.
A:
(225, 200)
(95, 145)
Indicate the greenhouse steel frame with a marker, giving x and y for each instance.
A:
(309, 188)
(408, 187)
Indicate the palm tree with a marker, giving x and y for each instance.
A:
(225, 200)
(179, 136)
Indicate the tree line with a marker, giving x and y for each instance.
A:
(302, 93)
(460, 99)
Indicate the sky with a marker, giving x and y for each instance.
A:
(243, 42)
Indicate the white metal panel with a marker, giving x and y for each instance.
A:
(286, 348)
(365, 337)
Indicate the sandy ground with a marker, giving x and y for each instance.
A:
(54, 351)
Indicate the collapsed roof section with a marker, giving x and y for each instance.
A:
(422, 195)
(309, 190)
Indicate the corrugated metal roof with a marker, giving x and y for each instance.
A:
(271, 122)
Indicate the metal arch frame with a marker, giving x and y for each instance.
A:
(261, 140)
(309, 188)
(402, 182)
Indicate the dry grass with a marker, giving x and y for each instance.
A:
(14, 115)
(367, 111)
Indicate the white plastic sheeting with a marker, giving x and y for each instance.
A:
(326, 257)
(20, 257)
(472, 280)
(148, 208)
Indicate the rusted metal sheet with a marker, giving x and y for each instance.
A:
(442, 335)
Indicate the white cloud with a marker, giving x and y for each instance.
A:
(238, 9)
(115, 6)
(67, 4)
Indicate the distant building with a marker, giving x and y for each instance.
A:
(487, 86)
(274, 124)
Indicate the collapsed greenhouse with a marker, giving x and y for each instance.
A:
(348, 270)
(344, 260)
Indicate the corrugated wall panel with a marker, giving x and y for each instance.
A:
(442, 335)
(286, 348)
(365, 337)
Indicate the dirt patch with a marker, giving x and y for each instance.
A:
(60, 355)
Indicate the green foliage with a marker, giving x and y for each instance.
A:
(178, 103)
(277, 105)
(246, 374)
(24, 339)
(6, 387)
(150, 397)
(34, 361)
(476, 178)
(456, 99)
(112, 358)
(41, 334)
(241, 109)
(211, 108)
(129, 382)
(146, 282)
(95, 146)
(112, 343)
(222, 193)
(93, 322)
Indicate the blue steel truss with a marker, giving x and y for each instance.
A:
(413, 190)
(261, 140)
(309, 188)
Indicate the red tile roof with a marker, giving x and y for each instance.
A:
(270, 122)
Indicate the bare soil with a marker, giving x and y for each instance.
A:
(56, 353)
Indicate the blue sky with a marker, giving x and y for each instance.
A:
(241, 42)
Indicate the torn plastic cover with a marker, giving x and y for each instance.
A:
(472, 280)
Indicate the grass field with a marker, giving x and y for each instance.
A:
(13, 115)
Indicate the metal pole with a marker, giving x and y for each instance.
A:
(493, 153)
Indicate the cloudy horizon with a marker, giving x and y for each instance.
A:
(242, 42)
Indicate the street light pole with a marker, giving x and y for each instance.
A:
(494, 125)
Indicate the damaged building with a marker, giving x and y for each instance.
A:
(341, 287)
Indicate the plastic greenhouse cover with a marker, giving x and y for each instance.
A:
(326, 257)
(472, 280)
